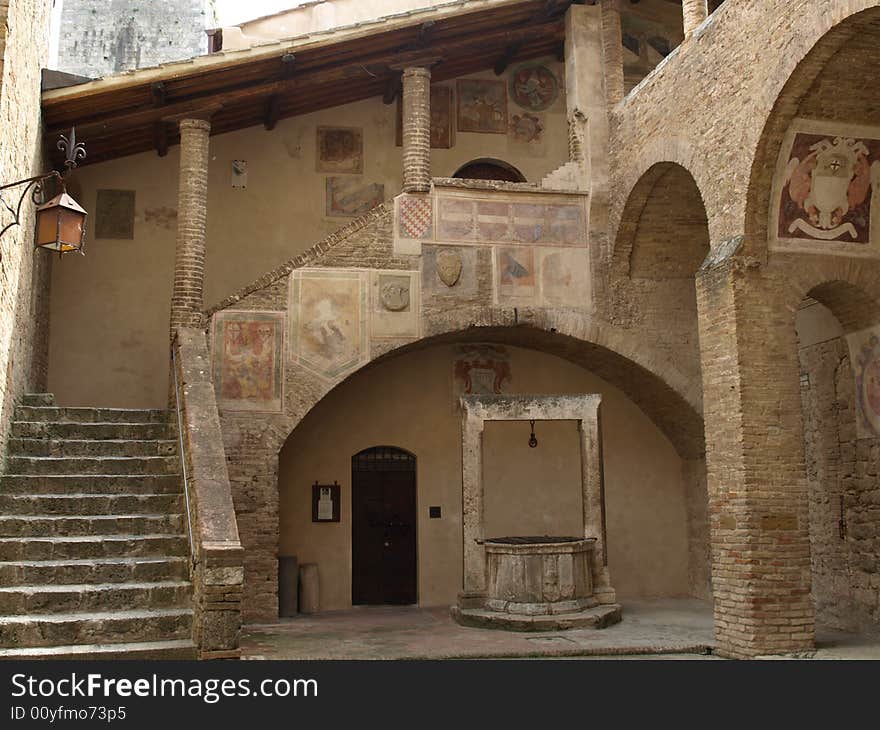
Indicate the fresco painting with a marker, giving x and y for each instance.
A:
(827, 190)
(481, 370)
(864, 353)
(328, 320)
(351, 197)
(248, 363)
(495, 220)
(340, 150)
(482, 106)
(533, 86)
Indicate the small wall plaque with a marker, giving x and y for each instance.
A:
(434, 513)
(325, 502)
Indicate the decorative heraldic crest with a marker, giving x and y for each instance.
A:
(828, 190)
(449, 265)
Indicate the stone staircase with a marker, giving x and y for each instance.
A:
(94, 550)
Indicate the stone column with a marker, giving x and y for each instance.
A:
(592, 484)
(192, 217)
(612, 48)
(758, 499)
(695, 12)
(416, 130)
(472, 510)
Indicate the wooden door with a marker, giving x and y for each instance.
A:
(383, 530)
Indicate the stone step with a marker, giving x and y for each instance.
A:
(91, 483)
(90, 504)
(59, 465)
(93, 546)
(65, 629)
(28, 599)
(94, 570)
(177, 649)
(90, 447)
(58, 525)
(38, 399)
(90, 415)
(98, 430)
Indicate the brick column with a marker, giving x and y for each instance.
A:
(612, 47)
(192, 218)
(416, 130)
(758, 499)
(695, 12)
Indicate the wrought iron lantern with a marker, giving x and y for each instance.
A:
(60, 221)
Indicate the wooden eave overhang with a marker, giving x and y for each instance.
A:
(135, 112)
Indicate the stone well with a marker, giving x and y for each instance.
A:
(535, 576)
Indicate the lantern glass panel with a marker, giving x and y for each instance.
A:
(47, 228)
(70, 229)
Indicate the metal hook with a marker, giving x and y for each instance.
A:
(533, 440)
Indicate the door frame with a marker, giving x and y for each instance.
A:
(410, 458)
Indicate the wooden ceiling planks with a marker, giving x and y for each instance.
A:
(123, 121)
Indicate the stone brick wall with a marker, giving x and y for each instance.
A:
(24, 272)
(667, 118)
(97, 37)
(842, 472)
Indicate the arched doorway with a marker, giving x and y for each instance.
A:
(489, 169)
(383, 527)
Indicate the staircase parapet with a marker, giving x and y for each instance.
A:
(219, 571)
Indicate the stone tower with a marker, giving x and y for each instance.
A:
(101, 37)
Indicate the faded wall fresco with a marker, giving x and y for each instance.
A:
(826, 193)
(538, 244)
(864, 351)
(328, 320)
(248, 362)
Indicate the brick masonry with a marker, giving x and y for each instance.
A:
(24, 272)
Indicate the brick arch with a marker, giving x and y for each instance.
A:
(849, 288)
(812, 50)
(646, 209)
(671, 400)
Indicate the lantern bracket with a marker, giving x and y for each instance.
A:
(73, 152)
(36, 186)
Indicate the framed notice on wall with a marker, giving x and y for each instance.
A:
(325, 502)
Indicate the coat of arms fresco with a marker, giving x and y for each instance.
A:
(827, 190)
(248, 368)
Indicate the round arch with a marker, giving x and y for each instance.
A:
(651, 380)
(489, 168)
(665, 196)
(840, 45)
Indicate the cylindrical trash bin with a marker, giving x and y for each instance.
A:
(288, 586)
(309, 593)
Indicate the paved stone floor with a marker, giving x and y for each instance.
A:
(660, 629)
(680, 627)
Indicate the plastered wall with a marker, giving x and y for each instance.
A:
(410, 402)
(111, 308)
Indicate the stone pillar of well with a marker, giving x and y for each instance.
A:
(695, 12)
(612, 48)
(593, 499)
(758, 497)
(416, 129)
(192, 218)
(472, 427)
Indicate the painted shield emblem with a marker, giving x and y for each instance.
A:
(449, 267)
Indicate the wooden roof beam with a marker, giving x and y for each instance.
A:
(273, 112)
